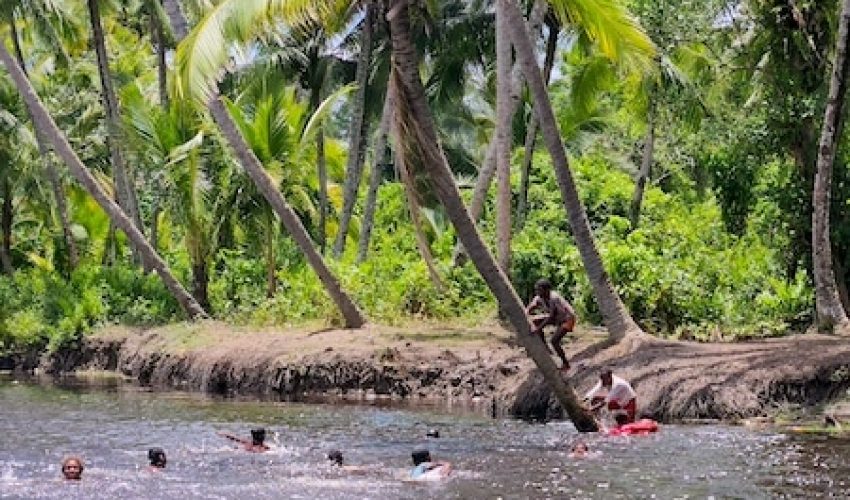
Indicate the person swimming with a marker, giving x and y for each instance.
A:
(255, 445)
(579, 450)
(424, 468)
(157, 459)
(72, 468)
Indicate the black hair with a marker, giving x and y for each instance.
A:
(621, 419)
(543, 284)
(258, 435)
(156, 457)
(420, 456)
(335, 456)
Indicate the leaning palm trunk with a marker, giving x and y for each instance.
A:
(503, 137)
(416, 138)
(531, 132)
(617, 319)
(322, 172)
(830, 312)
(645, 169)
(378, 154)
(351, 313)
(359, 125)
(488, 167)
(124, 186)
(50, 169)
(43, 122)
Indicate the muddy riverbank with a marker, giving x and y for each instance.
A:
(676, 381)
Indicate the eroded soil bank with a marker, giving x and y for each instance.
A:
(675, 381)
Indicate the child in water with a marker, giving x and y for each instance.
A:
(255, 445)
(156, 456)
(426, 469)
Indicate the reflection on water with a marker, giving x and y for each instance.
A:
(112, 429)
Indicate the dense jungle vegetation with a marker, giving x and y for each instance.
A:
(691, 128)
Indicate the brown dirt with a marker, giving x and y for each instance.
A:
(675, 381)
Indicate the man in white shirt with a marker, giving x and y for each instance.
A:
(615, 393)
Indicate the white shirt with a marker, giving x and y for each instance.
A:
(621, 391)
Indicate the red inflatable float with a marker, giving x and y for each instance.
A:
(642, 427)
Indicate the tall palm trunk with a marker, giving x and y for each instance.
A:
(359, 126)
(43, 122)
(158, 38)
(488, 166)
(531, 130)
(420, 144)
(6, 219)
(830, 312)
(645, 168)
(378, 157)
(503, 137)
(50, 169)
(124, 186)
(271, 260)
(350, 312)
(322, 171)
(617, 319)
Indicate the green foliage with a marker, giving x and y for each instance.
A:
(39, 308)
(680, 273)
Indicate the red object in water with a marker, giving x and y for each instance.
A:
(642, 427)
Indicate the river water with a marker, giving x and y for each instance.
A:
(111, 425)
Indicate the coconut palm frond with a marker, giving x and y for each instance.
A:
(322, 112)
(204, 53)
(611, 27)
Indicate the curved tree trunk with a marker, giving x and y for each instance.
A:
(531, 130)
(503, 137)
(617, 319)
(49, 130)
(645, 168)
(6, 217)
(124, 187)
(350, 312)
(53, 176)
(357, 134)
(378, 157)
(488, 166)
(421, 145)
(830, 312)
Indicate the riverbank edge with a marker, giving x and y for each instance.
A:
(676, 381)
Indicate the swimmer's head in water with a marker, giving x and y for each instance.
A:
(580, 447)
(432, 433)
(157, 457)
(72, 468)
(421, 456)
(258, 436)
(335, 456)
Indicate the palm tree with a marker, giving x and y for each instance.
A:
(531, 128)
(357, 132)
(167, 140)
(45, 15)
(830, 311)
(350, 312)
(488, 166)
(503, 137)
(49, 130)
(124, 184)
(416, 136)
(378, 158)
(617, 318)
